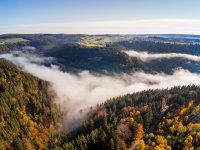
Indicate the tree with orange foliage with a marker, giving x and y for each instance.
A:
(139, 132)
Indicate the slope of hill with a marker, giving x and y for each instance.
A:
(155, 46)
(28, 113)
(154, 119)
(101, 60)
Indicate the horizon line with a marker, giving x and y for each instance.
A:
(140, 26)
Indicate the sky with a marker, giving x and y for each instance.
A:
(100, 16)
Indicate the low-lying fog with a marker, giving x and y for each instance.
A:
(80, 91)
(145, 56)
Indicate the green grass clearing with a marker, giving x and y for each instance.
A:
(12, 40)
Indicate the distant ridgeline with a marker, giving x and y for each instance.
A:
(154, 119)
(28, 114)
(105, 54)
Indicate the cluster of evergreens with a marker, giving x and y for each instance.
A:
(158, 47)
(28, 114)
(154, 119)
(96, 59)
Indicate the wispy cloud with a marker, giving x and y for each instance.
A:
(151, 26)
(145, 56)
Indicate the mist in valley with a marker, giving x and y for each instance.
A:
(145, 56)
(75, 92)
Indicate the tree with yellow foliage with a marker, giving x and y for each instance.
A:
(161, 143)
(141, 145)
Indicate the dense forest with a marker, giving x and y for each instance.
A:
(101, 60)
(153, 119)
(28, 113)
(158, 47)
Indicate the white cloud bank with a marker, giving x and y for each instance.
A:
(145, 56)
(75, 92)
(150, 26)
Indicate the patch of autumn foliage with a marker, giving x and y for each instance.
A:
(38, 133)
(175, 127)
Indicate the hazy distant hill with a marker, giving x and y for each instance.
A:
(104, 53)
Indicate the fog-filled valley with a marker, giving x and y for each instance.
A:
(75, 92)
(100, 91)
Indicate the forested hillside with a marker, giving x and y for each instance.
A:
(154, 119)
(28, 113)
(159, 46)
(101, 60)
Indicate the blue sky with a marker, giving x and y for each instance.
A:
(69, 16)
